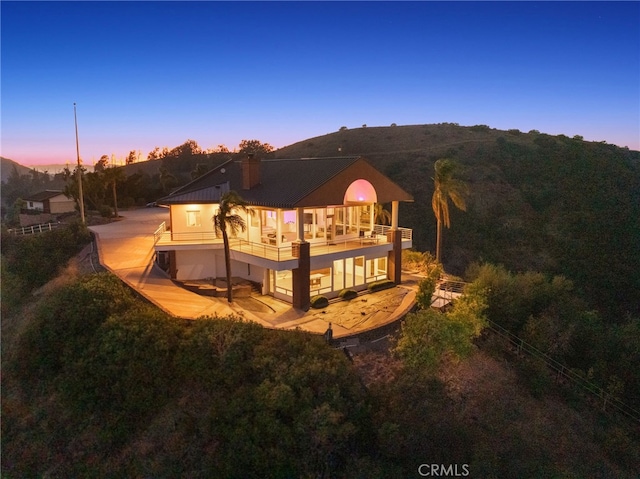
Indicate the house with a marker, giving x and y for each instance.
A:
(312, 229)
(51, 201)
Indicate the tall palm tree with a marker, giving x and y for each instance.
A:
(227, 220)
(447, 186)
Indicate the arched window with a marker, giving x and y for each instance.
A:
(360, 191)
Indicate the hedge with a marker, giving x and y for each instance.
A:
(319, 302)
(348, 294)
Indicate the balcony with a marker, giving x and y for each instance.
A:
(164, 240)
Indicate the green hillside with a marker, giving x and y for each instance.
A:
(538, 202)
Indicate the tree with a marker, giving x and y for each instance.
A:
(167, 180)
(255, 147)
(112, 176)
(428, 335)
(154, 154)
(72, 188)
(226, 219)
(102, 163)
(427, 286)
(381, 215)
(447, 186)
(199, 170)
(188, 149)
(132, 157)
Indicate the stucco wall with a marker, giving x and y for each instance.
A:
(198, 264)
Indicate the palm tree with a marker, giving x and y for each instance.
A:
(225, 219)
(447, 186)
(381, 215)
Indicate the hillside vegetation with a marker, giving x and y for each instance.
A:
(98, 383)
(550, 204)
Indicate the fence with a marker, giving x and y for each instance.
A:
(563, 372)
(33, 229)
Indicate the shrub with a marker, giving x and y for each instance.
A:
(348, 294)
(319, 302)
(380, 285)
(105, 211)
(35, 259)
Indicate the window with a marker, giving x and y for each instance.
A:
(338, 274)
(359, 270)
(193, 218)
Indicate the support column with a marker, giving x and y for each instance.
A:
(394, 214)
(301, 286)
(173, 269)
(300, 223)
(266, 281)
(394, 258)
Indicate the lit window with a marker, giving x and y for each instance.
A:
(193, 218)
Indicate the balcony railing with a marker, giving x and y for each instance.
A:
(406, 233)
(164, 237)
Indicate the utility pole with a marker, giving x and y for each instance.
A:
(79, 172)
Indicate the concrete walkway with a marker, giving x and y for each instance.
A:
(125, 248)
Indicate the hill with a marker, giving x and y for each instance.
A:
(7, 166)
(552, 204)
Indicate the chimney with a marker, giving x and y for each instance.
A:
(250, 171)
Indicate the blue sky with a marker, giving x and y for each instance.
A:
(146, 74)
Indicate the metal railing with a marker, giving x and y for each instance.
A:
(263, 250)
(157, 234)
(406, 233)
(275, 252)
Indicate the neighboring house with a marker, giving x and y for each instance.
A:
(50, 201)
(312, 230)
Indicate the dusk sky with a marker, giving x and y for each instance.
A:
(147, 74)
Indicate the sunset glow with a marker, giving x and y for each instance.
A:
(283, 72)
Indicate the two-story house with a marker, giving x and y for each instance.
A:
(312, 229)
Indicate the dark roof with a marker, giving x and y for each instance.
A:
(289, 183)
(44, 195)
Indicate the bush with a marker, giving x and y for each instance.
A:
(380, 285)
(480, 128)
(105, 211)
(66, 323)
(319, 302)
(348, 294)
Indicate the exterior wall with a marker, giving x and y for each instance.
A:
(196, 264)
(35, 205)
(192, 221)
(61, 204)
